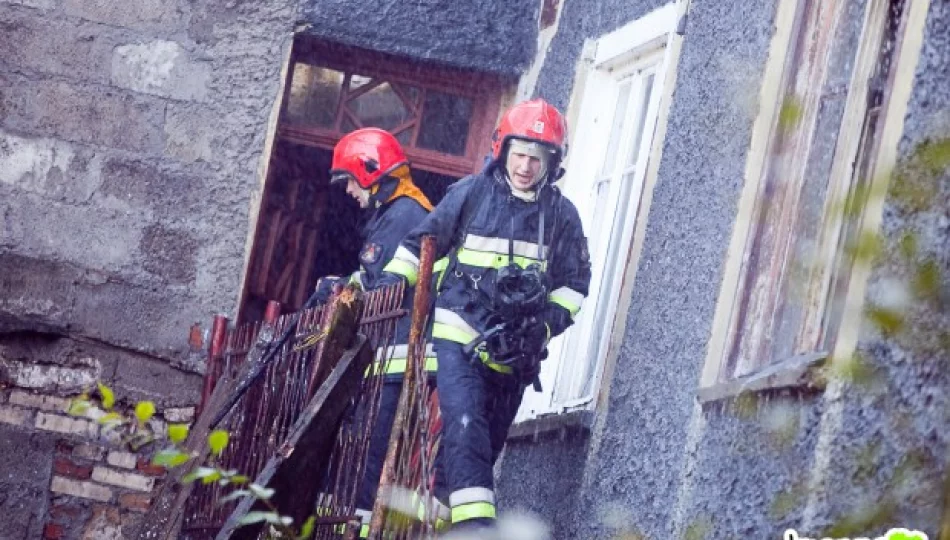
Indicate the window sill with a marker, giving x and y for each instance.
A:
(553, 424)
(802, 372)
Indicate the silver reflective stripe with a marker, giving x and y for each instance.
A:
(404, 254)
(449, 318)
(365, 515)
(500, 245)
(400, 352)
(471, 495)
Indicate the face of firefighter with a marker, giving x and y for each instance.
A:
(526, 164)
(354, 190)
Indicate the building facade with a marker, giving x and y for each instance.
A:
(764, 186)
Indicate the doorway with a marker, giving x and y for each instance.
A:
(307, 229)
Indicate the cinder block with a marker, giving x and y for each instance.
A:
(124, 460)
(31, 42)
(77, 488)
(81, 113)
(122, 479)
(65, 424)
(15, 415)
(48, 167)
(139, 15)
(38, 4)
(39, 401)
(161, 68)
(189, 131)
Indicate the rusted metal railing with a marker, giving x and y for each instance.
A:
(263, 416)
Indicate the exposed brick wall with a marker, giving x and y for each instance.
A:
(94, 489)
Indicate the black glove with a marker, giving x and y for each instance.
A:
(324, 289)
(532, 334)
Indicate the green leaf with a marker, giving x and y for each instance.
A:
(790, 114)
(269, 517)
(888, 321)
(170, 457)
(217, 441)
(236, 494)
(908, 246)
(926, 281)
(144, 410)
(201, 473)
(261, 492)
(211, 477)
(178, 432)
(111, 419)
(108, 398)
(307, 530)
(79, 407)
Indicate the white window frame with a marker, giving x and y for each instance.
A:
(642, 47)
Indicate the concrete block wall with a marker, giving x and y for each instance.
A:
(131, 138)
(130, 141)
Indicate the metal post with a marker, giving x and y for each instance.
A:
(219, 328)
(420, 309)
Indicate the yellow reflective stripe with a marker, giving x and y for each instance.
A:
(404, 269)
(451, 333)
(500, 368)
(564, 303)
(473, 511)
(500, 245)
(490, 259)
(364, 531)
(567, 298)
(440, 265)
(398, 365)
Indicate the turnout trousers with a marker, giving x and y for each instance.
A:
(478, 406)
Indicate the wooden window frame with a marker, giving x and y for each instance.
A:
(719, 379)
(484, 90)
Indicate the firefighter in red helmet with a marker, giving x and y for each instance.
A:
(518, 272)
(374, 168)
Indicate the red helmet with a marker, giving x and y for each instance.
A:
(535, 120)
(366, 155)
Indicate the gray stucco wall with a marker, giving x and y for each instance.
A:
(472, 34)
(858, 458)
(897, 419)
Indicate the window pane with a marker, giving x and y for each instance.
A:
(404, 137)
(357, 81)
(647, 94)
(445, 122)
(616, 129)
(380, 107)
(314, 95)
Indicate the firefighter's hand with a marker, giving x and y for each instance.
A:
(324, 289)
(534, 335)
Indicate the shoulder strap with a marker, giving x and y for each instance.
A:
(473, 201)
